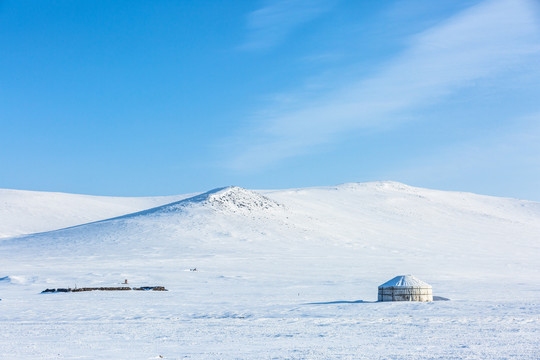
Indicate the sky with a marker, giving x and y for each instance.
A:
(145, 98)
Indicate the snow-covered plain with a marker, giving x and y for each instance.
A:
(25, 212)
(282, 274)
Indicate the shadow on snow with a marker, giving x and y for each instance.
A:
(341, 302)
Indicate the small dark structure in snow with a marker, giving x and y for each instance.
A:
(122, 288)
(405, 288)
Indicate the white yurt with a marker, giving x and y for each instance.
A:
(405, 288)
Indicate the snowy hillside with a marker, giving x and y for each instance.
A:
(26, 212)
(282, 274)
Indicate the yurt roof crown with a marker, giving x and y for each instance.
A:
(405, 281)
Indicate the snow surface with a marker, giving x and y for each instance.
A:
(282, 274)
(405, 281)
(26, 212)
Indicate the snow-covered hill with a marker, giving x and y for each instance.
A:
(283, 274)
(26, 212)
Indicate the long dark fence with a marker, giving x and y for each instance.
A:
(121, 288)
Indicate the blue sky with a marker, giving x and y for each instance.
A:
(167, 97)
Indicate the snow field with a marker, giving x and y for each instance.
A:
(282, 274)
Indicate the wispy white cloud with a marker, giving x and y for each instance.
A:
(504, 161)
(482, 42)
(271, 24)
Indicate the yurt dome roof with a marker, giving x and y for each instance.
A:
(405, 281)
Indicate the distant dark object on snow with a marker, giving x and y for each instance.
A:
(440, 298)
(122, 288)
(405, 288)
(151, 288)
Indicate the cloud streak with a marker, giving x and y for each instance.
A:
(482, 42)
(486, 165)
(270, 25)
